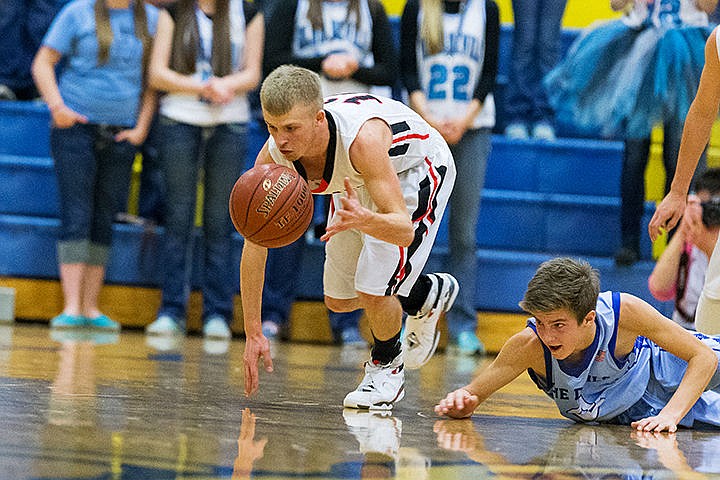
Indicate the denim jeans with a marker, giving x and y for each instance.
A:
(184, 149)
(282, 274)
(93, 173)
(535, 51)
(470, 155)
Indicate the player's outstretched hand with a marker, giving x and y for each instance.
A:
(350, 215)
(256, 348)
(667, 214)
(458, 404)
(658, 423)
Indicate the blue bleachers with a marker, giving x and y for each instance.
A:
(540, 200)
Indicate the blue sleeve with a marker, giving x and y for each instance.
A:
(152, 18)
(62, 30)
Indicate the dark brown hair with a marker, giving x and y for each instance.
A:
(186, 39)
(314, 13)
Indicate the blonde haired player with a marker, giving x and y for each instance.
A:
(391, 175)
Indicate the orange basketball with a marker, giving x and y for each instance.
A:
(271, 205)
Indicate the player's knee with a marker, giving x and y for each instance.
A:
(341, 305)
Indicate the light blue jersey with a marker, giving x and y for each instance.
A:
(603, 388)
(108, 93)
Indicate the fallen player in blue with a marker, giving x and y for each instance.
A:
(602, 357)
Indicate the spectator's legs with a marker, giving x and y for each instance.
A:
(114, 163)
(224, 163)
(632, 193)
(280, 289)
(520, 91)
(75, 166)
(470, 160)
(549, 18)
(180, 160)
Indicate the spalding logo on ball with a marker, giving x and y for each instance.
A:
(271, 205)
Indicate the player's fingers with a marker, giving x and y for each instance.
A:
(250, 378)
(349, 189)
(267, 361)
(459, 399)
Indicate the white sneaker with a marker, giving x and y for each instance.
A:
(216, 328)
(164, 325)
(421, 336)
(382, 386)
(375, 431)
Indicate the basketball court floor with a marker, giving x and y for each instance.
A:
(81, 405)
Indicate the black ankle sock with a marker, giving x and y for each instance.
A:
(385, 351)
(417, 296)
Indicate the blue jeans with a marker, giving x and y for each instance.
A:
(93, 173)
(282, 274)
(223, 160)
(535, 51)
(470, 155)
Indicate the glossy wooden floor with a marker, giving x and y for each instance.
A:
(78, 405)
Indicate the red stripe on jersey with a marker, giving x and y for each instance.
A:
(401, 273)
(321, 188)
(402, 263)
(433, 193)
(411, 136)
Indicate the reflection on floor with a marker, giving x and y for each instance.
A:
(82, 405)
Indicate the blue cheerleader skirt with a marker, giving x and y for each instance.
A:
(618, 81)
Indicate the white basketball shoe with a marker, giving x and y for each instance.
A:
(381, 387)
(421, 336)
(375, 431)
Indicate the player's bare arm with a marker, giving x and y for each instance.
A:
(369, 156)
(639, 318)
(252, 278)
(696, 133)
(521, 352)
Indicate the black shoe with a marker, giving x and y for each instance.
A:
(626, 257)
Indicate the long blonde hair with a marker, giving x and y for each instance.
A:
(104, 33)
(314, 13)
(186, 39)
(431, 28)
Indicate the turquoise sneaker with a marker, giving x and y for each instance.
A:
(103, 322)
(469, 344)
(68, 321)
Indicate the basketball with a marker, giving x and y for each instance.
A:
(271, 205)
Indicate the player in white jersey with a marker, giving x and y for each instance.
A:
(392, 175)
(608, 358)
(696, 133)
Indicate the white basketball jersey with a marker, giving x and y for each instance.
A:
(449, 78)
(414, 140)
(341, 33)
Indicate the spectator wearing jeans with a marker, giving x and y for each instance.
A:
(100, 112)
(535, 51)
(207, 57)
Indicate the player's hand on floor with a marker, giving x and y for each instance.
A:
(658, 423)
(458, 404)
(256, 348)
(350, 215)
